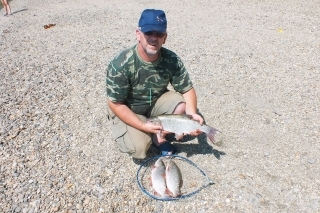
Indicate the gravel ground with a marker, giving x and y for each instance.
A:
(255, 66)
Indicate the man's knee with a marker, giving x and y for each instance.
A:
(180, 108)
(141, 142)
(136, 147)
(141, 150)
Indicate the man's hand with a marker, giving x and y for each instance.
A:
(151, 128)
(200, 120)
(197, 118)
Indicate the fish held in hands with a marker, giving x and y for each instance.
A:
(182, 124)
(173, 179)
(158, 179)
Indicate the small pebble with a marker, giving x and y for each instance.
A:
(86, 201)
(17, 209)
(56, 208)
(65, 126)
(79, 206)
(312, 161)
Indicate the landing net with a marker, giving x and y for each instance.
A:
(194, 178)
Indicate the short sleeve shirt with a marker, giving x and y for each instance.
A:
(138, 84)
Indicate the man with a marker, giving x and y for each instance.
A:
(137, 81)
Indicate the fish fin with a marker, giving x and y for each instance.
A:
(178, 136)
(150, 181)
(168, 168)
(211, 133)
(168, 192)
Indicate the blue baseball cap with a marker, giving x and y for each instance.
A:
(153, 20)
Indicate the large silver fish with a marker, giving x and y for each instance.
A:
(173, 179)
(158, 179)
(180, 124)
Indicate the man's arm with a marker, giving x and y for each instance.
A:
(127, 116)
(191, 105)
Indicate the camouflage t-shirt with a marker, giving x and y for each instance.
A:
(138, 84)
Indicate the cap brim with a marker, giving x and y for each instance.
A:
(148, 28)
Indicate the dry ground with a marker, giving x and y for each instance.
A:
(255, 66)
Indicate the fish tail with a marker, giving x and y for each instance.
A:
(211, 132)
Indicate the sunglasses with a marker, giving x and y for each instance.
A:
(156, 34)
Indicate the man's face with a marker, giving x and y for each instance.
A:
(151, 42)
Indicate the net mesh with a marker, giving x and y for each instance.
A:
(194, 179)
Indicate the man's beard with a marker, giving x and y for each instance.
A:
(151, 52)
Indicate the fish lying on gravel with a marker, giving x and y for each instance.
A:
(158, 179)
(180, 124)
(173, 179)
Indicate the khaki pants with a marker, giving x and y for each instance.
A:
(134, 141)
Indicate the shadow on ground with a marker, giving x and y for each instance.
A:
(203, 146)
(18, 11)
